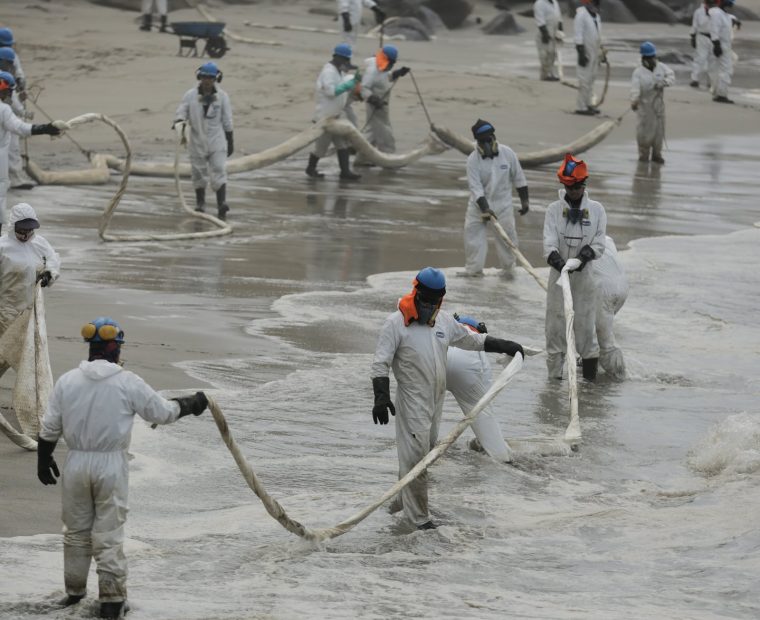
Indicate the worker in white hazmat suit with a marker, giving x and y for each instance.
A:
(11, 124)
(25, 259)
(468, 378)
(147, 14)
(647, 99)
(612, 290)
(332, 90)
(17, 178)
(493, 170)
(8, 40)
(377, 81)
(413, 342)
(550, 32)
(574, 227)
(93, 407)
(721, 33)
(208, 111)
(350, 12)
(700, 41)
(587, 28)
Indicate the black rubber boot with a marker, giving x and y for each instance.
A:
(221, 202)
(71, 599)
(428, 525)
(589, 368)
(163, 24)
(345, 169)
(200, 198)
(311, 169)
(147, 22)
(111, 610)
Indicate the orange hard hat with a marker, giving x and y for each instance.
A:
(572, 170)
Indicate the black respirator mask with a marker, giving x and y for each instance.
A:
(427, 307)
(488, 147)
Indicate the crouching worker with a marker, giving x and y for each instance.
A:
(93, 407)
(414, 341)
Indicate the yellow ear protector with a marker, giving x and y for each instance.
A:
(101, 331)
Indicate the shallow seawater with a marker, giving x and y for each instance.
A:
(654, 517)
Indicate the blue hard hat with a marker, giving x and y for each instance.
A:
(6, 37)
(432, 279)
(474, 323)
(7, 53)
(647, 48)
(342, 49)
(103, 329)
(208, 69)
(391, 53)
(8, 79)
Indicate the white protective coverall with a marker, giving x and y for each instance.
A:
(495, 178)
(20, 264)
(16, 174)
(417, 354)
(93, 407)
(378, 131)
(547, 13)
(330, 105)
(647, 91)
(587, 32)
(354, 10)
(147, 6)
(208, 143)
(468, 377)
(612, 287)
(568, 239)
(721, 29)
(9, 124)
(700, 28)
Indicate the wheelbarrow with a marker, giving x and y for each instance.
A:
(190, 33)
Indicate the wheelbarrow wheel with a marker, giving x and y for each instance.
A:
(216, 46)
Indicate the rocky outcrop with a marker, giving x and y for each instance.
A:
(613, 11)
(503, 23)
(452, 12)
(652, 11)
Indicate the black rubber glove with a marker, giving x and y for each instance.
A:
(586, 255)
(717, 49)
(45, 278)
(483, 205)
(379, 14)
(47, 468)
(47, 128)
(582, 58)
(545, 38)
(560, 27)
(383, 404)
(230, 143)
(498, 345)
(346, 22)
(556, 261)
(522, 192)
(195, 404)
(399, 73)
(375, 101)
(693, 41)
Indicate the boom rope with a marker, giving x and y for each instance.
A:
(573, 432)
(275, 509)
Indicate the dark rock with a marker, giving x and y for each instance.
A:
(414, 8)
(744, 14)
(503, 23)
(430, 18)
(651, 11)
(452, 12)
(410, 27)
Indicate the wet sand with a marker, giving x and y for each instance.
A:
(193, 300)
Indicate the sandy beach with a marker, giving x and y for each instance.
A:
(184, 303)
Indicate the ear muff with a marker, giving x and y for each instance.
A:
(89, 331)
(199, 75)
